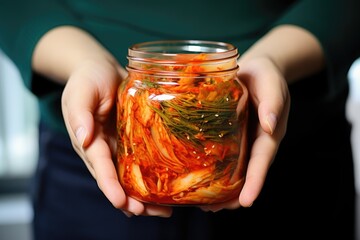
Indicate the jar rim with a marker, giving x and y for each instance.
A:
(168, 50)
(183, 75)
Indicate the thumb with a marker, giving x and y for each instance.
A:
(82, 127)
(77, 109)
(273, 106)
(268, 117)
(268, 91)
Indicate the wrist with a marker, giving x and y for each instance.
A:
(63, 49)
(293, 50)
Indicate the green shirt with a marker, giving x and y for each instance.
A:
(119, 24)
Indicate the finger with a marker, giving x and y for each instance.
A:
(271, 102)
(77, 108)
(268, 91)
(262, 153)
(122, 72)
(99, 155)
(232, 204)
(134, 208)
(261, 156)
(159, 211)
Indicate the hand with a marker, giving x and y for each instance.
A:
(88, 106)
(270, 98)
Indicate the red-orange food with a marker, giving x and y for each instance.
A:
(182, 132)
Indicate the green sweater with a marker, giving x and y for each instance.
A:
(118, 24)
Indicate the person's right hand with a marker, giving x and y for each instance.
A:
(88, 105)
(91, 75)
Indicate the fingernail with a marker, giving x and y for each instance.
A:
(80, 134)
(271, 121)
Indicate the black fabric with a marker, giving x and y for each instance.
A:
(69, 205)
(297, 200)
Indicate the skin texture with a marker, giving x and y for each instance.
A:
(90, 73)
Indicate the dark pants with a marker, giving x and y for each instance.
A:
(293, 204)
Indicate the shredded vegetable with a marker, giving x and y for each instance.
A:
(182, 138)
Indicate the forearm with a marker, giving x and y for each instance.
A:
(295, 51)
(60, 51)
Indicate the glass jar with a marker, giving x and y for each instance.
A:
(182, 118)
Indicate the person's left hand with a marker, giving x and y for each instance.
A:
(269, 96)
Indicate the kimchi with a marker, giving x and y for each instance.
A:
(182, 127)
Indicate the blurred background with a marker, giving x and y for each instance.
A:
(18, 148)
(18, 152)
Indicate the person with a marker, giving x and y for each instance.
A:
(295, 55)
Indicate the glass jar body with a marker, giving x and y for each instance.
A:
(182, 125)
